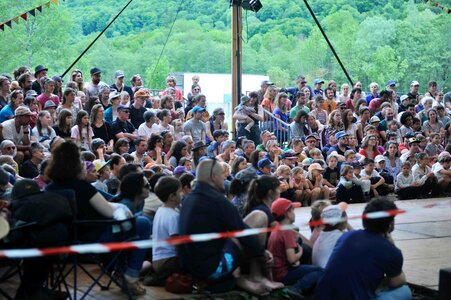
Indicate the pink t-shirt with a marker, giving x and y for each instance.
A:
(42, 98)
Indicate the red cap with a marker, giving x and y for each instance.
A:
(281, 205)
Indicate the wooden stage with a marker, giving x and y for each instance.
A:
(423, 235)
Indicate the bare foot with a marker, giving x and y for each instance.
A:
(255, 288)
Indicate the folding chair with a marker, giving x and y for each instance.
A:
(13, 240)
(108, 267)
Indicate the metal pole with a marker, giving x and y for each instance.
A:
(328, 42)
(95, 40)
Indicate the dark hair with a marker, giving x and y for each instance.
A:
(354, 90)
(253, 158)
(62, 126)
(299, 115)
(87, 156)
(137, 141)
(379, 225)
(154, 179)
(166, 186)
(119, 143)
(237, 187)
(186, 179)
(236, 163)
(177, 151)
(163, 113)
(129, 159)
(65, 163)
(344, 118)
(127, 169)
(368, 161)
(115, 159)
(131, 186)
(258, 189)
(217, 133)
(153, 140)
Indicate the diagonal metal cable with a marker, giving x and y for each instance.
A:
(167, 39)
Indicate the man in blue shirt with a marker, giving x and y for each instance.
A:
(364, 259)
(318, 83)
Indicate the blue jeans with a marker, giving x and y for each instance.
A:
(401, 293)
(303, 277)
(135, 258)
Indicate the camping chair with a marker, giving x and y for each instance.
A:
(14, 239)
(109, 264)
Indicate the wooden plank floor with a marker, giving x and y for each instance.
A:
(423, 235)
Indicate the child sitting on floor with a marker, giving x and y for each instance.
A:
(165, 225)
(349, 189)
(406, 188)
(287, 252)
(315, 179)
(302, 192)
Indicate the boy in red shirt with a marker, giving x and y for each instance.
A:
(287, 252)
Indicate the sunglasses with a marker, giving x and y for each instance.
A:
(212, 166)
(126, 111)
(10, 148)
(221, 114)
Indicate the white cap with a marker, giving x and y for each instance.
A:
(374, 119)
(379, 158)
(413, 83)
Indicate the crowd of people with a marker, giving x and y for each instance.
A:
(176, 166)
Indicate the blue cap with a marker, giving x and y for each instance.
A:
(197, 108)
(340, 134)
(391, 82)
(316, 81)
(122, 107)
(265, 162)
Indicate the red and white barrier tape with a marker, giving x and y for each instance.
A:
(203, 237)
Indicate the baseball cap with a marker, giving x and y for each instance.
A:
(99, 165)
(379, 158)
(315, 166)
(31, 93)
(197, 108)
(281, 205)
(307, 162)
(289, 154)
(340, 135)
(317, 81)
(374, 119)
(57, 78)
(414, 83)
(413, 140)
(266, 82)
(140, 93)
(333, 215)
(391, 82)
(22, 111)
(198, 145)
(94, 71)
(312, 135)
(265, 162)
(122, 107)
(403, 97)
(49, 104)
(409, 134)
(113, 95)
(246, 175)
(119, 74)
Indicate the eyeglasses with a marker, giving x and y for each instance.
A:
(197, 90)
(212, 166)
(10, 148)
(221, 114)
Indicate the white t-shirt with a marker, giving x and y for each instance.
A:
(436, 168)
(10, 133)
(145, 131)
(165, 225)
(323, 247)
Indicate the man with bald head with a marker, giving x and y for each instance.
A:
(206, 209)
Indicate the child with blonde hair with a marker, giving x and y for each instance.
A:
(302, 192)
(315, 179)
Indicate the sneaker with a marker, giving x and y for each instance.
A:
(136, 289)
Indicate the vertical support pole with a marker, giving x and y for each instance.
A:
(236, 56)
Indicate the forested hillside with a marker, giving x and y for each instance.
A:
(376, 40)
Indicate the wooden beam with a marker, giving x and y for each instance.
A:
(236, 56)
